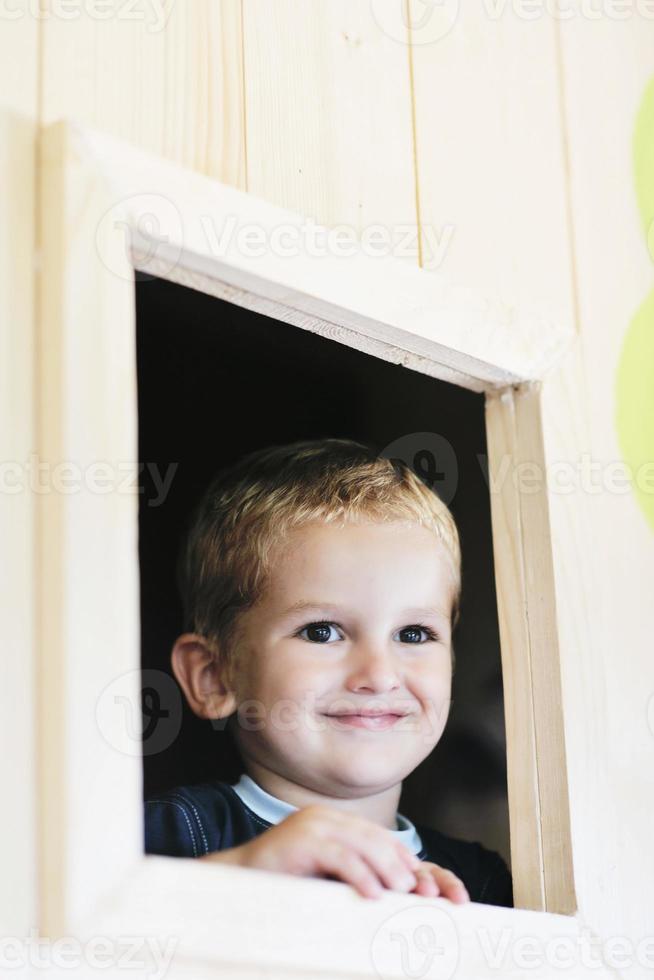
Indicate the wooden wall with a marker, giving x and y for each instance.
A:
(509, 134)
(19, 100)
(608, 664)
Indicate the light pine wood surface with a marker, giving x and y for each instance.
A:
(19, 68)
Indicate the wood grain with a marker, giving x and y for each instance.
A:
(19, 54)
(167, 76)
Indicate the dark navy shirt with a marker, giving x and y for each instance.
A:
(190, 821)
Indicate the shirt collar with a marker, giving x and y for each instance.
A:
(272, 810)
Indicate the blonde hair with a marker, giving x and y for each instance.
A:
(246, 512)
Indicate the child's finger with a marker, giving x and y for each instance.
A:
(427, 885)
(450, 885)
(379, 850)
(459, 894)
(346, 865)
(445, 882)
(412, 860)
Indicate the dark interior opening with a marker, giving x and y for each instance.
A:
(216, 381)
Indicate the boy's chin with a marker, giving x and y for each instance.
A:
(368, 774)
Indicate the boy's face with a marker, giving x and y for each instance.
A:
(381, 597)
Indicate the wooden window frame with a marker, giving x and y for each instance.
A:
(96, 194)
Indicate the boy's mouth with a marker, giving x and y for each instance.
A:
(372, 720)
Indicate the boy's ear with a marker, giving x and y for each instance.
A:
(198, 673)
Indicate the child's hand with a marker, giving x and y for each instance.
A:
(434, 880)
(320, 841)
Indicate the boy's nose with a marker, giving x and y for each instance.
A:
(373, 668)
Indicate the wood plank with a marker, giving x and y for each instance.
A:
(329, 115)
(490, 153)
(270, 922)
(543, 652)
(604, 545)
(521, 757)
(18, 131)
(88, 637)
(541, 842)
(165, 76)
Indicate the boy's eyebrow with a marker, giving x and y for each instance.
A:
(305, 604)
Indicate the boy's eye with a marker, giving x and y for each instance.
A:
(411, 634)
(317, 632)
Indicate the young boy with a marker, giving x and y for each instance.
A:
(321, 586)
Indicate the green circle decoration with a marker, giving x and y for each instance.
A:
(635, 375)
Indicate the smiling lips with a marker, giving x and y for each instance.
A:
(373, 721)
